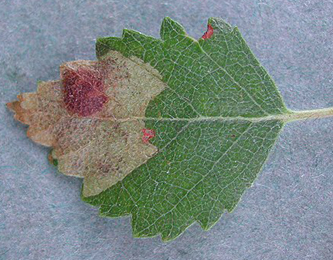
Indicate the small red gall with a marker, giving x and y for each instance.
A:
(147, 135)
(83, 91)
(208, 33)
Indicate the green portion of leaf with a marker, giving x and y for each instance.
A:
(213, 127)
(55, 162)
(215, 77)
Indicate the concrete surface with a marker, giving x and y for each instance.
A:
(287, 214)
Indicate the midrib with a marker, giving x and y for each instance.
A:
(286, 117)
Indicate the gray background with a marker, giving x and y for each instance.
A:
(287, 214)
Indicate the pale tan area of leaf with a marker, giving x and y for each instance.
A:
(104, 147)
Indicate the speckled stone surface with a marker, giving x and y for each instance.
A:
(287, 214)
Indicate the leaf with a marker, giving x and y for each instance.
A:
(171, 131)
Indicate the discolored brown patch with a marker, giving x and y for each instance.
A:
(93, 118)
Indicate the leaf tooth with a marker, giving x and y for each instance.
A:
(171, 30)
(220, 25)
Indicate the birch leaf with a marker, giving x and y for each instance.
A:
(171, 131)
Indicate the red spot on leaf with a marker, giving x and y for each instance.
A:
(147, 135)
(208, 33)
(83, 91)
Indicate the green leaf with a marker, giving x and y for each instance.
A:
(215, 125)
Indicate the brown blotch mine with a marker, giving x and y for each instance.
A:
(92, 137)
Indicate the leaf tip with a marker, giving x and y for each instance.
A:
(19, 112)
(10, 105)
